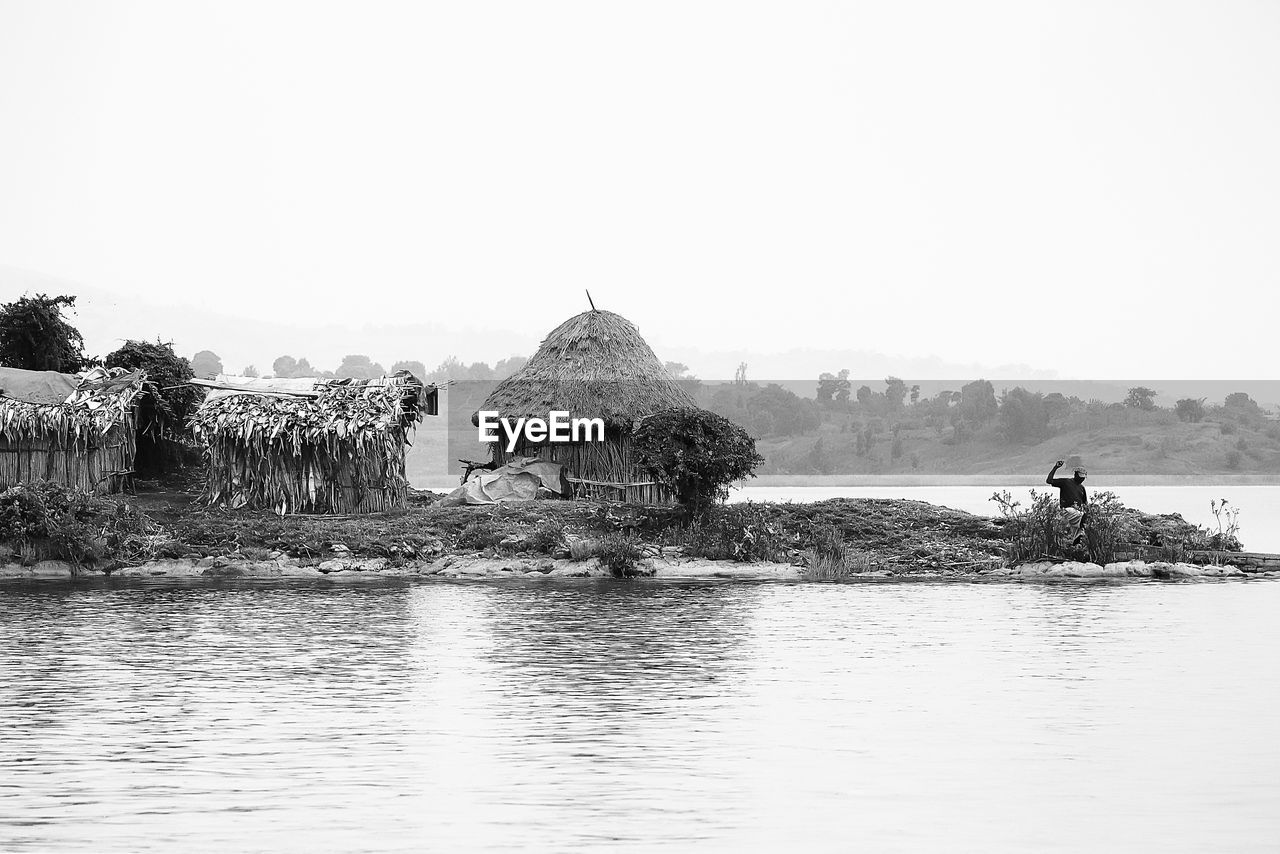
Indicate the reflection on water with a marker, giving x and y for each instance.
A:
(612, 715)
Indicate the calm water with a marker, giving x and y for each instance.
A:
(1259, 505)
(602, 715)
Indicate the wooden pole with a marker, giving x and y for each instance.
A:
(590, 300)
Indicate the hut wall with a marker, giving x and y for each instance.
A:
(608, 465)
(326, 478)
(101, 464)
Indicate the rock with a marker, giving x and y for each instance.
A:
(473, 570)
(340, 549)
(516, 542)
(533, 573)
(332, 566)
(1129, 569)
(375, 564)
(224, 571)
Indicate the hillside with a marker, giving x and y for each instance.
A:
(1157, 444)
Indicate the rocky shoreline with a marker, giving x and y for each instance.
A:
(486, 568)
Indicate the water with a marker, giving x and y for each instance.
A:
(608, 715)
(1259, 505)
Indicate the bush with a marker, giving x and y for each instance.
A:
(741, 532)
(480, 535)
(47, 520)
(547, 537)
(620, 554)
(696, 454)
(830, 559)
(1042, 531)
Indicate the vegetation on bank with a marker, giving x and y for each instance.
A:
(830, 539)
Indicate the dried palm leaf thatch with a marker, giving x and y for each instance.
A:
(340, 449)
(594, 365)
(87, 442)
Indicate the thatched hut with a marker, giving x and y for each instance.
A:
(594, 365)
(310, 446)
(76, 430)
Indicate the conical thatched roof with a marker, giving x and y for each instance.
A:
(594, 365)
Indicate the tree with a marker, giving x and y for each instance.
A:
(284, 366)
(1056, 405)
(864, 394)
(820, 457)
(1241, 401)
(978, 402)
(1141, 397)
(508, 366)
(206, 364)
(696, 454)
(834, 387)
(361, 367)
(249, 371)
(1023, 415)
(1190, 409)
(166, 406)
(416, 368)
(34, 336)
(915, 395)
(740, 375)
(895, 392)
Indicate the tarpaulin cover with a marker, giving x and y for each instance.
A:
(521, 480)
(44, 388)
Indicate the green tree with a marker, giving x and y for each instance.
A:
(895, 392)
(164, 409)
(206, 365)
(361, 367)
(34, 336)
(249, 371)
(696, 454)
(978, 402)
(416, 368)
(284, 366)
(1141, 397)
(1023, 415)
(1190, 409)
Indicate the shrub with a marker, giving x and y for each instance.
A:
(696, 454)
(1042, 531)
(1233, 459)
(620, 554)
(741, 532)
(480, 535)
(49, 520)
(547, 536)
(830, 559)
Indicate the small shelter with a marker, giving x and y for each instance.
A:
(594, 365)
(310, 445)
(78, 430)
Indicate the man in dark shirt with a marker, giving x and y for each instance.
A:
(1072, 499)
(1070, 489)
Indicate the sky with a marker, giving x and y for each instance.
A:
(1081, 190)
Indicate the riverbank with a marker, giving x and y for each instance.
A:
(169, 534)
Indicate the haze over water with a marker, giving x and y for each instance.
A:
(588, 715)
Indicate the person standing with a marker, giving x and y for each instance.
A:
(1072, 498)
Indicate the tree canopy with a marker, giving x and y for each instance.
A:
(34, 335)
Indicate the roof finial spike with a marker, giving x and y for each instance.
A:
(590, 300)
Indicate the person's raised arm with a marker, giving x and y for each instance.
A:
(1052, 472)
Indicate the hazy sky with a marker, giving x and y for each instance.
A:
(960, 180)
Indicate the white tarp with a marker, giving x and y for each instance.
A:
(522, 480)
